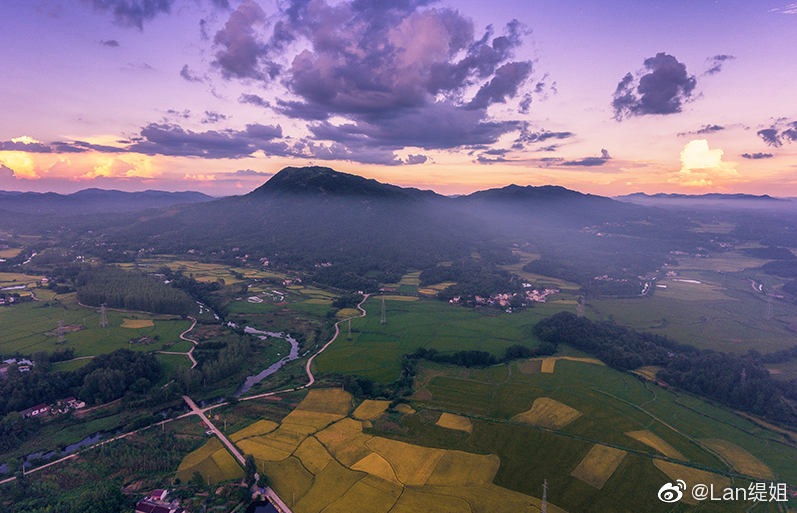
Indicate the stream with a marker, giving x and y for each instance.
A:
(257, 378)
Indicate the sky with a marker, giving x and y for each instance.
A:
(216, 96)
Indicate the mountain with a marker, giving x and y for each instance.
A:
(94, 201)
(715, 201)
(315, 181)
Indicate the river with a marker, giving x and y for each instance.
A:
(257, 378)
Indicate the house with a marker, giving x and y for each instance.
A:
(144, 506)
(36, 411)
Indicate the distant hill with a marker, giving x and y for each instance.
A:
(94, 201)
(709, 201)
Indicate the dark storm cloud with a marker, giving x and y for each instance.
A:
(133, 13)
(771, 137)
(173, 140)
(110, 43)
(527, 136)
(663, 87)
(708, 129)
(189, 75)
(213, 117)
(715, 63)
(438, 126)
(757, 156)
(254, 99)
(35, 147)
(399, 73)
(590, 161)
(416, 159)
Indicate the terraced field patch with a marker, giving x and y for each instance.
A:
(741, 460)
(261, 427)
(598, 465)
(137, 323)
(458, 422)
(213, 461)
(651, 440)
(549, 413)
(370, 409)
(692, 476)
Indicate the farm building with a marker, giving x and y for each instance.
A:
(36, 411)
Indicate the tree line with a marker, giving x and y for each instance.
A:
(737, 381)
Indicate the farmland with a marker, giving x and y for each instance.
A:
(374, 349)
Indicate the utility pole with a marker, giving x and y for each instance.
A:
(384, 319)
(103, 317)
(61, 337)
(349, 329)
(544, 496)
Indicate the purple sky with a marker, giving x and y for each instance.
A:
(216, 95)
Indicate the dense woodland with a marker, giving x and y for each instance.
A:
(740, 382)
(130, 291)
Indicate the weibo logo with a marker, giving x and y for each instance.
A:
(672, 492)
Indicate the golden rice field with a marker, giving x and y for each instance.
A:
(400, 298)
(691, 476)
(213, 461)
(741, 460)
(458, 422)
(261, 427)
(338, 468)
(648, 372)
(548, 365)
(370, 409)
(137, 323)
(549, 413)
(10, 252)
(345, 313)
(653, 441)
(598, 465)
(405, 409)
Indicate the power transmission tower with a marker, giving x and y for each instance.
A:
(544, 496)
(103, 317)
(384, 319)
(61, 337)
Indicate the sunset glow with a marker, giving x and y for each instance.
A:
(452, 96)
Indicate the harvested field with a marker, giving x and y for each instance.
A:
(458, 422)
(546, 412)
(370, 409)
(651, 440)
(691, 476)
(261, 427)
(413, 464)
(741, 460)
(598, 465)
(137, 323)
(548, 365)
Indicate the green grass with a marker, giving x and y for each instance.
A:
(30, 328)
(375, 349)
(169, 363)
(722, 313)
(70, 365)
(612, 403)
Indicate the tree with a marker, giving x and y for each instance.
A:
(250, 468)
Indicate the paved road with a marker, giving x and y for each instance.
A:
(233, 450)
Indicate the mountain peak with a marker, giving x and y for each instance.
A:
(324, 181)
